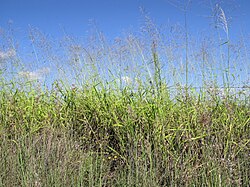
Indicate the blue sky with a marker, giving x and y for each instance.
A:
(113, 17)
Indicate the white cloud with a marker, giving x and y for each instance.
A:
(8, 54)
(127, 79)
(34, 75)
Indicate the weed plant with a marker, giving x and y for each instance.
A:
(93, 137)
(125, 125)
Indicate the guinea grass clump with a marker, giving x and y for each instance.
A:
(95, 137)
(127, 113)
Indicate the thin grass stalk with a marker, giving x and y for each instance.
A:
(157, 69)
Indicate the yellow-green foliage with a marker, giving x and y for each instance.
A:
(98, 137)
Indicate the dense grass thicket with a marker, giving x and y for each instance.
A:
(94, 137)
(145, 110)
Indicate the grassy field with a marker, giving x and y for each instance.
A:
(99, 137)
(132, 128)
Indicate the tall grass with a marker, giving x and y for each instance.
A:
(93, 137)
(123, 125)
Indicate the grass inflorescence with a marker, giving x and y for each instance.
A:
(117, 114)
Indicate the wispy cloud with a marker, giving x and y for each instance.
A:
(127, 80)
(8, 54)
(34, 75)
